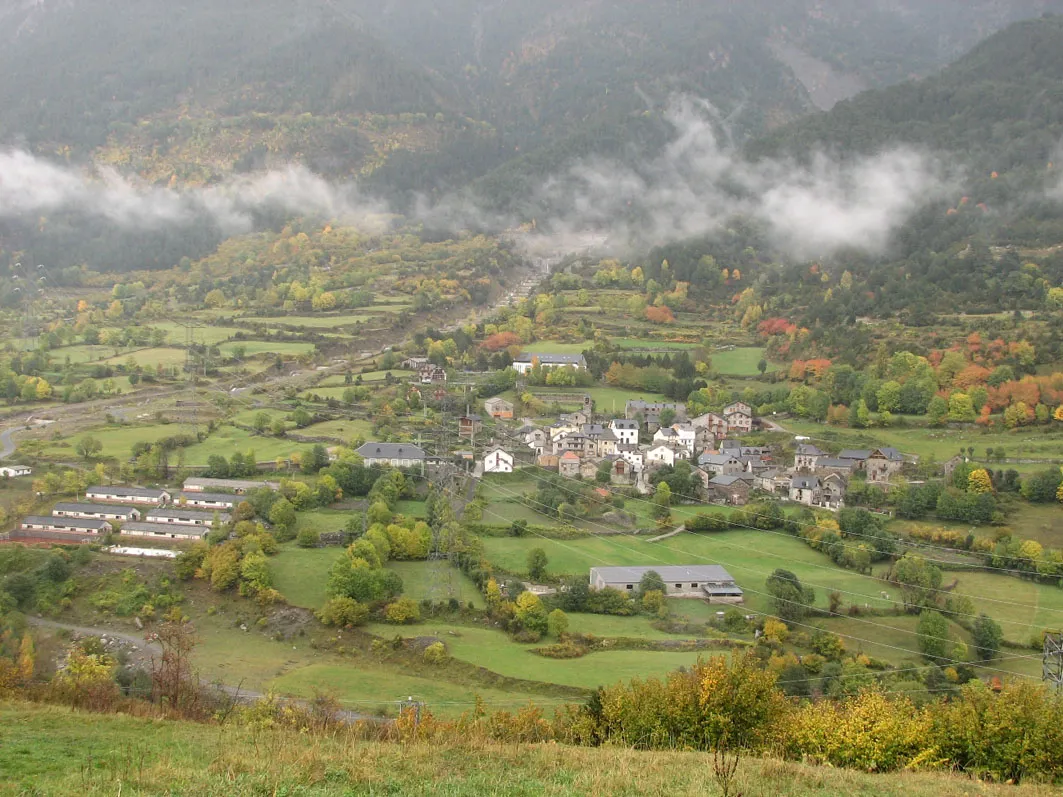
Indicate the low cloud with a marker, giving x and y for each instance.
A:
(32, 185)
(694, 187)
(698, 184)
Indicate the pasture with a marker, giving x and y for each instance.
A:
(495, 651)
(739, 361)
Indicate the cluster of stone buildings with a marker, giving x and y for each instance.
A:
(655, 435)
(142, 511)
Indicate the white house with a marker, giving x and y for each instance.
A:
(626, 431)
(498, 461)
(128, 495)
(528, 360)
(686, 435)
(664, 454)
(13, 471)
(632, 454)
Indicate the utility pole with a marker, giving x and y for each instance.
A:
(1052, 660)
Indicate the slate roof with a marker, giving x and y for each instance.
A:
(390, 451)
(668, 573)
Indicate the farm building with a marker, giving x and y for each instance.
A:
(95, 511)
(184, 517)
(499, 408)
(207, 500)
(128, 495)
(650, 411)
(14, 471)
(202, 484)
(528, 360)
(65, 525)
(469, 425)
(170, 531)
(397, 455)
(683, 581)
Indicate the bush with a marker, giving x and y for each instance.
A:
(344, 612)
(436, 653)
(308, 538)
(403, 612)
(562, 650)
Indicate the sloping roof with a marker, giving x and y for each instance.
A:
(624, 423)
(390, 451)
(165, 529)
(551, 359)
(855, 453)
(110, 509)
(726, 480)
(716, 459)
(808, 450)
(639, 404)
(228, 484)
(67, 522)
(191, 514)
(139, 492)
(835, 462)
(891, 454)
(804, 482)
(214, 497)
(570, 455)
(668, 573)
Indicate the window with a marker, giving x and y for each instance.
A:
(695, 586)
(630, 586)
(678, 586)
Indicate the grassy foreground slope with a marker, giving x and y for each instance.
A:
(45, 751)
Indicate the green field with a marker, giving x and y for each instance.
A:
(208, 334)
(938, 443)
(750, 556)
(83, 353)
(650, 343)
(741, 361)
(118, 441)
(498, 653)
(227, 439)
(380, 690)
(300, 574)
(344, 430)
(317, 321)
(254, 347)
(436, 581)
(554, 347)
(159, 356)
(340, 380)
(410, 508)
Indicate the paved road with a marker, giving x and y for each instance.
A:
(238, 693)
(7, 444)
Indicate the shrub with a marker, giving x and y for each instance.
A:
(343, 611)
(436, 653)
(403, 612)
(308, 538)
(562, 650)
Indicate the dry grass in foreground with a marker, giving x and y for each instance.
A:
(57, 751)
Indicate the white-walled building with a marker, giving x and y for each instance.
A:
(498, 461)
(128, 495)
(626, 431)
